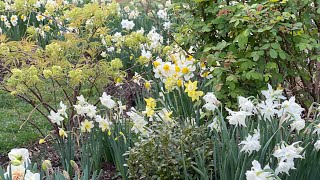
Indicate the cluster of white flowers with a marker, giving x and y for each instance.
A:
(84, 108)
(13, 20)
(163, 14)
(270, 108)
(180, 68)
(127, 25)
(155, 38)
(133, 14)
(87, 110)
(139, 122)
(238, 117)
(286, 154)
(275, 106)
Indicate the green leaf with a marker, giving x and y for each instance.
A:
(255, 55)
(232, 78)
(256, 75)
(221, 45)
(243, 38)
(242, 41)
(206, 49)
(246, 32)
(273, 53)
(271, 65)
(282, 55)
(248, 75)
(275, 45)
(267, 77)
(266, 46)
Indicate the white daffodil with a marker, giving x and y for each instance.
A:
(103, 54)
(86, 126)
(212, 102)
(110, 49)
(104, 124)
(146, 54)
(14, 20)
(91, 111)
(126, 24)
(162, 14)
(291, 107)
(273, 95)
(31, 176)
(55, 117)
(98, 118)
(155, 38)
(251, 143)
(81, 100)
(268, 109)
(40, 17)
(63, 110)
(19, 157)
(107, 101)
(139, 123)
(167, 69)
(3, 18)
(211, 98)
(298, 124)
(237, 118)
(7, 23)
(256, 173)
(167, 25)
(245, 104)
(17, 172)
(134, 14)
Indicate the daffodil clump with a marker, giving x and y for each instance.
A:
(20, 167)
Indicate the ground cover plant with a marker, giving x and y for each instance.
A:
(164, 89)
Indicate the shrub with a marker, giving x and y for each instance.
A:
(170, 154)
(251, 43)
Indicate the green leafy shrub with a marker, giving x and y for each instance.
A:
(170, 154)
(250, 43)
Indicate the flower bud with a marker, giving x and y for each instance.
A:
(41, 141)
(46, 164)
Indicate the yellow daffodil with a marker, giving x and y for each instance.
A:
(151, 102)
(191, 86)
(195, 95)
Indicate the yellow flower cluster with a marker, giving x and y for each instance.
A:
(191, 89)
(150, 106)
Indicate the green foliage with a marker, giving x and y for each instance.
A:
(171, 154)
(250, 44)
